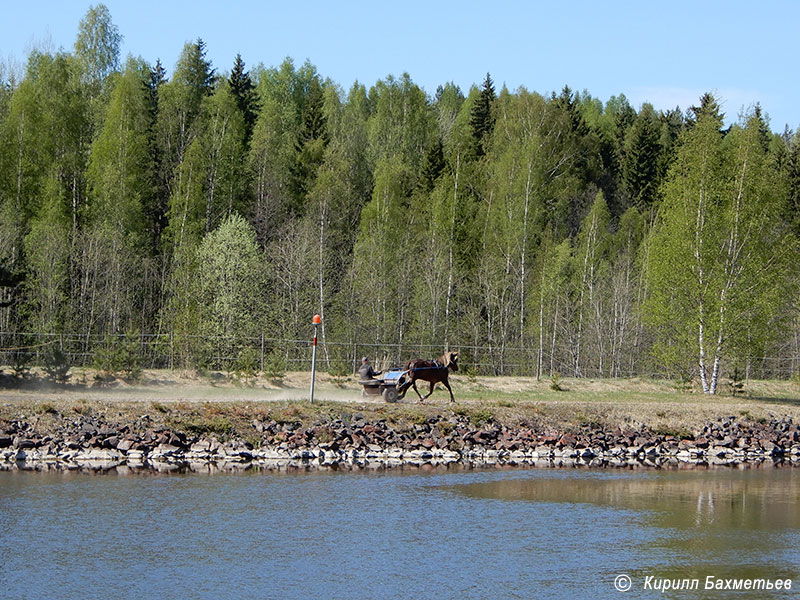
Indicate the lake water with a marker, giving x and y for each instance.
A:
(537, 533)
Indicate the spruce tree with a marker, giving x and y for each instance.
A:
(432, 166)
(309, 147)
(245, 93)
(642, 158)
(793, 175)
(155, 204)
(709, 107)
(481, 117)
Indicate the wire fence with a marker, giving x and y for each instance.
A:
(265, 354)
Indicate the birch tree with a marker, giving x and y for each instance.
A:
(113, 242)
(590, 248)
(719, 253)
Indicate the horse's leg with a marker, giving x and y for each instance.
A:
(447, 385)
(433, 384)
(403, 388)
(414, 385)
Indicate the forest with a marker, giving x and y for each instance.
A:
(213, 212)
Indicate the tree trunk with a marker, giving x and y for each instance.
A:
(451, 258)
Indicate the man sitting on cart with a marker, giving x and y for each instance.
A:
(366, 372)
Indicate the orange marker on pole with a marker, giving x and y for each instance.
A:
(315, 321)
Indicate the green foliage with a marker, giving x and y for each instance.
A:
(275, 365)
(119, 165)
(46, 409)
(479, 416)
(736, 383)
(218, 425)
(245, 367)
(119, 356)
(546, 232)
(717, 266)
(340, 371)
(680, 433)
(97, 45)
(22, 369)
(229, 282)
(57, 365)
(160, 407)
(642, 167)
(482, 116)
(555, 382)
(471, 373)
(242, 88)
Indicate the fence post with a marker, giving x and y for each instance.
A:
(262, 351)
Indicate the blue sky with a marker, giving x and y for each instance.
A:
(666, 53)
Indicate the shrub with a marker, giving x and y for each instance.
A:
(56, 366)
(339, 372)
(245, 367)
(217, 425)
(445, 427)
(480, 416)
(736, 383)
(119, 356)
(275, 365)
(46, 409)
(471, 374)
(22, 369)
(555, 382)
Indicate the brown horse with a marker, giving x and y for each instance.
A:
(433, 371)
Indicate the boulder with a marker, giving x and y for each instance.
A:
(125, 445)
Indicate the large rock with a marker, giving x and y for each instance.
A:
(165, 451)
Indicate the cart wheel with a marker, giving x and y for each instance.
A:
(390, 394)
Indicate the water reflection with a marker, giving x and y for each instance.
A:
(763, 499)
(716, 522)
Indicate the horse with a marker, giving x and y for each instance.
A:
(432, 371)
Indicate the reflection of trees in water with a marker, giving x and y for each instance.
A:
(709, 508)
(755, 499)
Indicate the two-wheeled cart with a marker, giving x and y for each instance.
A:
(384, 385)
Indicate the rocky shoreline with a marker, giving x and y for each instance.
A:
(90, 442)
